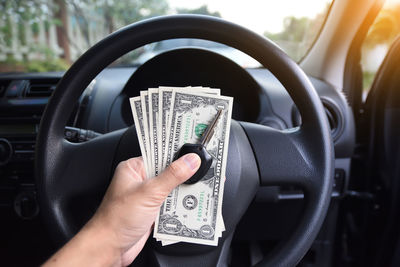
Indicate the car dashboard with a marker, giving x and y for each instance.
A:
(104, 107)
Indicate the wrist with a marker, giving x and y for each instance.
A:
(101, 242)
(94, 245)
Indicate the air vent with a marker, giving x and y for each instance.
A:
(41, 87)
(3, 86)
(333, 114)
(335, 118)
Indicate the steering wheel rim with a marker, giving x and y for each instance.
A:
(310, 146)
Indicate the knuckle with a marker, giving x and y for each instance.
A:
(134, 163)
(122, 165)
(129, 167)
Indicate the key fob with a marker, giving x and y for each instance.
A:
(206, 160)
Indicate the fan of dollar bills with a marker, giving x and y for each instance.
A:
(166, 118)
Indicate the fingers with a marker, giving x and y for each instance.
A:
(176, 173)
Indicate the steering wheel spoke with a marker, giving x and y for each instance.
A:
(284, 156)
(97, 157)
(80, 174)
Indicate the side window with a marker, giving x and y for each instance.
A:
(378, 41)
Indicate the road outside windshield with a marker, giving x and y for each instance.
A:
(40, 36)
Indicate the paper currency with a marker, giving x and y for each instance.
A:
(153, 129)
(164, 110)
(136, 106)
(170, 118)
(191, 212)
(144, 97)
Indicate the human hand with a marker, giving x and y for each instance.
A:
(132, 202)
(124, 219)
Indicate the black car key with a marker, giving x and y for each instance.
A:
(201, 151)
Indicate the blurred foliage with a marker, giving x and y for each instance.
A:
(12, 65)
(56, 64)
(385, 28)
(128, 11)
(383, 31)
(29, 13)
(49, 62)
(368, 78)
(295, 38)
(298, 34)
(24, 12)
(294, 29)
(115, 13)
(202, 10)
(123, 12)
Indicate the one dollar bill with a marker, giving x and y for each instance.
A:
(192, 213)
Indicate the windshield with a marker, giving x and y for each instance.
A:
(39, 35)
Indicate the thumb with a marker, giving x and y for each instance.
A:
(176, 173)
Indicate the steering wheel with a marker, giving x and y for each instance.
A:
(72, 178)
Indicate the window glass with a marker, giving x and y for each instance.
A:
(378, 41)
(40, 35)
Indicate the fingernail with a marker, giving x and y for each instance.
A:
(192, 160)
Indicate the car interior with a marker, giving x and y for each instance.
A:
(313, 176)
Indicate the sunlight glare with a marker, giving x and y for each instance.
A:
(257, 15)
